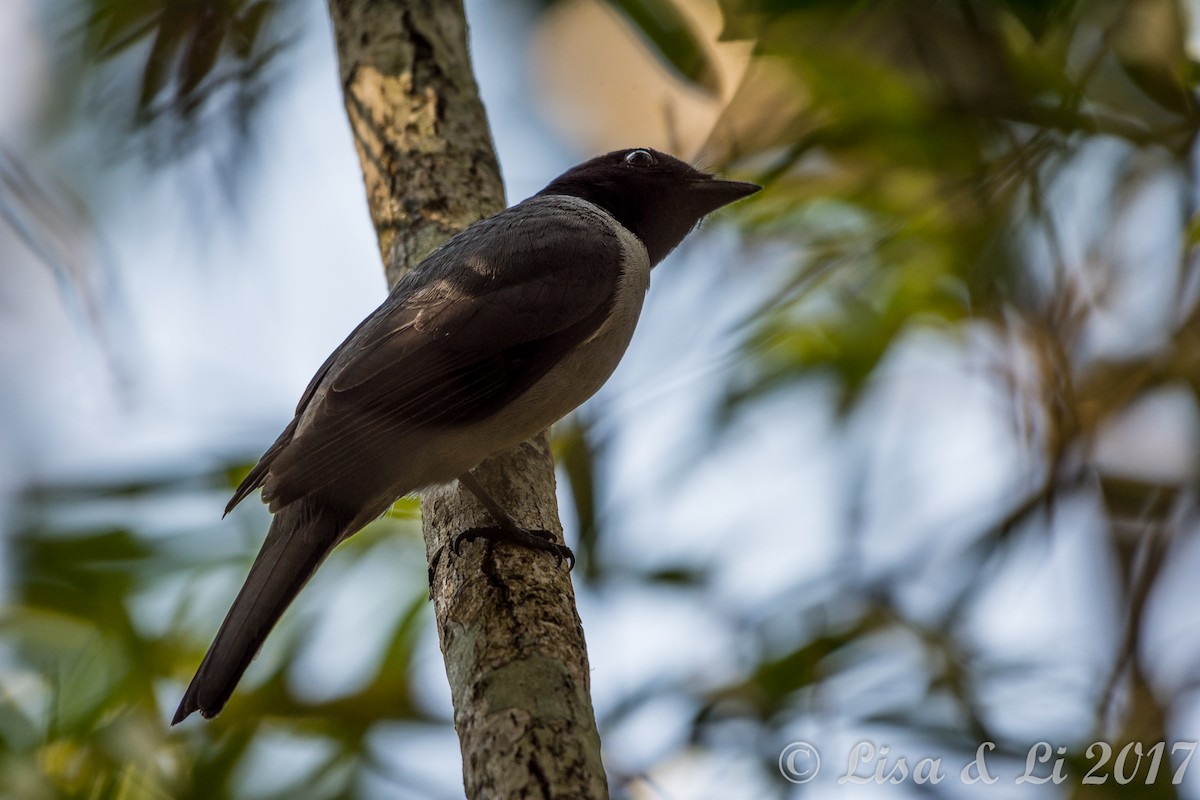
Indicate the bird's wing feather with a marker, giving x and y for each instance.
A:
(474, 326)
(258, 473)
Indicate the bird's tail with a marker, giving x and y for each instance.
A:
(301, 535)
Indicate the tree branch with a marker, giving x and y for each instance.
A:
(510, 634)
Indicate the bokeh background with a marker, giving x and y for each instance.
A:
(904, 451)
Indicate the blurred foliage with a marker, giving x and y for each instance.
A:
(186, 40)
(201, 65)
(975, 170)
(920, 137)
(169, 76)
(104, 623)
(671, 37)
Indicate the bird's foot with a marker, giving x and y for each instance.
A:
(533, 540)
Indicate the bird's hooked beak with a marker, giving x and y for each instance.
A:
(710, 193)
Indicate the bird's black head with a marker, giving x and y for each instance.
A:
(656, 196)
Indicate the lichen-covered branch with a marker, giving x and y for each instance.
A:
(510, 634)
(419, 127)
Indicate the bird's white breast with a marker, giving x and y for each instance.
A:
(585, 369)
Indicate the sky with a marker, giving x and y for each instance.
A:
(214, 316)
(228, 311)
(218, 314)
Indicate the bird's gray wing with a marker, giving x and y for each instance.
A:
(473, 327)
(258, 473)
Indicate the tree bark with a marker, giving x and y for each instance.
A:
(510, 634)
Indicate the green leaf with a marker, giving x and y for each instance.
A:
(1039, 16)
(206, 37)
(673, 38)
(574, 454)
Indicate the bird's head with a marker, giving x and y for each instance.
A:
(656, 196)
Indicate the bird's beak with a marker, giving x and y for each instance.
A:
(712, 193)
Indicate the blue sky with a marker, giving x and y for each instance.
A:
(219, 314)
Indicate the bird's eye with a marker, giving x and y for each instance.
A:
(640, 158)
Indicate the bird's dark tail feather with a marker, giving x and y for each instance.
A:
(301, 535)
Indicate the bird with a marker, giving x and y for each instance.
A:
(495, 335)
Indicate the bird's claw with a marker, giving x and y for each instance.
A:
(533, 540)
